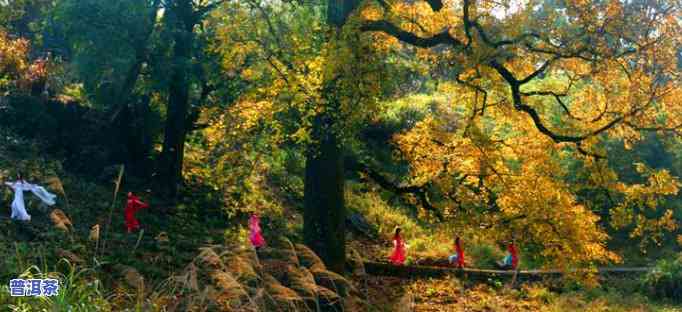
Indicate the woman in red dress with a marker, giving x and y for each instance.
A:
(398, 255)
(458, 257)
(133, 205)
(514, 255)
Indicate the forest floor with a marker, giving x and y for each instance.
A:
(450, 294)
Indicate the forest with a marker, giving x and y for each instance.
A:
(340, 155)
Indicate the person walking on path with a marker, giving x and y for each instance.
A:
(398, 255)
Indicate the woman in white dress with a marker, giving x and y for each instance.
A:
(18, 206)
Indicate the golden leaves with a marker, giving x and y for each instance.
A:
(552, 218)
(13, 59)
(660, 183)
(653, 229)
(500, 154)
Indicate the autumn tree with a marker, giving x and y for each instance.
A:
(183, 17)
(13, 61)
(535, 83)
(316, 79)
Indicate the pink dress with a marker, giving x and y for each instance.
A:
(398, 255)
(255, 236)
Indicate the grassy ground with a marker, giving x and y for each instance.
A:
(164, 246)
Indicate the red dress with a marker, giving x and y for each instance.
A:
(398, 255)
(460, 255)
(514, 255)
(133, 205)
(255, 236)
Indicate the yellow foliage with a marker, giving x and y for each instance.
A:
(527, 97)
(13, 58)
(530, 203)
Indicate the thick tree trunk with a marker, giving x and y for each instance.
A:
(139, 138)
(324, 215)
(129, 121)
(173, 151)
(325, 211)
(141, 46)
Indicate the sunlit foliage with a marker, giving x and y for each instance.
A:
(536, 84)
(13, 59)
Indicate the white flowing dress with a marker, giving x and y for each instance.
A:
(18, 206)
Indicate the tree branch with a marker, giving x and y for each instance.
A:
(435, 5)
(585, 152)
(469, 23)
(443, 37)
(418, 191)
(538, 71)
(519, 105)
(557, 97)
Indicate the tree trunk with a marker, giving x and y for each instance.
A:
(324, 215)
(325, 211)
(173, 150)
(141, 46)
(129, 121)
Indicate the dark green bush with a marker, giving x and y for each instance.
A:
(665, 280)
(484, 256)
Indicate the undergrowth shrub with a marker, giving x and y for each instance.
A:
(665, 280)
(381, 215)
(484, 255)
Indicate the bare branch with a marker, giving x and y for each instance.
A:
(519, 105)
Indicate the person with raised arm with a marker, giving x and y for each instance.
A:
(133, 205)
(18, 206)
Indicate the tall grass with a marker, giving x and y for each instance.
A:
(79, 290)
(117, 187)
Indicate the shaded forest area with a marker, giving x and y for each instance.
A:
(554, 125)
